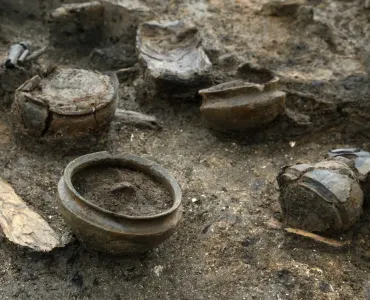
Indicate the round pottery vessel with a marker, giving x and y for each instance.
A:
(111, 232)
(242, 105)
(320, 197)
(66, 105)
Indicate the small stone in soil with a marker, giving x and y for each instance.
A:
(122, 185)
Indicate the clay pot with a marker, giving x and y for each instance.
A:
(325, 196)
(242, 105)
(66, 105)
(111, 232)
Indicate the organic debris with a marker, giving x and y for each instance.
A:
(317, 238)
(134, 118)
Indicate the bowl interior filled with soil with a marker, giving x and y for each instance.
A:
(123, 187)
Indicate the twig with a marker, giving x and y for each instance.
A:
(318, 238)
(36, 54)
(24, 55)
(127, 70)
(122, 74)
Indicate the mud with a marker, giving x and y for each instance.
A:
(228, 245)
(122, 191)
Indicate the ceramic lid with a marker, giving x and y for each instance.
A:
(75, 91)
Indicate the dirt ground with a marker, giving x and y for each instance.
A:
(228, 244)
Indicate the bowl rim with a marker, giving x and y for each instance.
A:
(88, 160)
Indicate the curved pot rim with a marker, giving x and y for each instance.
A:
(85, 161)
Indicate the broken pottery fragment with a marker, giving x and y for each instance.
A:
(172, 57)
(76, 23)
(11, 79)
(21, 225)
(96, 23)
(325, 196)
(243, 104)
(66, 105)
(122, 18)
(361, 161)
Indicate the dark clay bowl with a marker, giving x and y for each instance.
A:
(111, 232)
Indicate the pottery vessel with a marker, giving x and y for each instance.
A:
(242, 105)
(111, 232)
(325, 196)
(68, 104)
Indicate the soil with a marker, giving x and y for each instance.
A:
(123, 191)
(229, 244)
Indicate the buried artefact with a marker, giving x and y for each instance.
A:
(361, 163)
(325, 196)
(243, 104)
(76, 23)
(119, 204)
(97, 24)
(66, 105)
(172, 57)
(15, 68)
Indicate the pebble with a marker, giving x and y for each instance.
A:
(158, 270)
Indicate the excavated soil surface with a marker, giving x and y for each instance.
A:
(229, 244)
(122, 191)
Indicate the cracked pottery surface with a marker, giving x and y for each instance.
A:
(68, 103)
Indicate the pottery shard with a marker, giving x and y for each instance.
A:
(171, 53)
(358, 160)
(21, 225)
(96, 22)
(76, 22)
(11, 79)
(122, 17)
